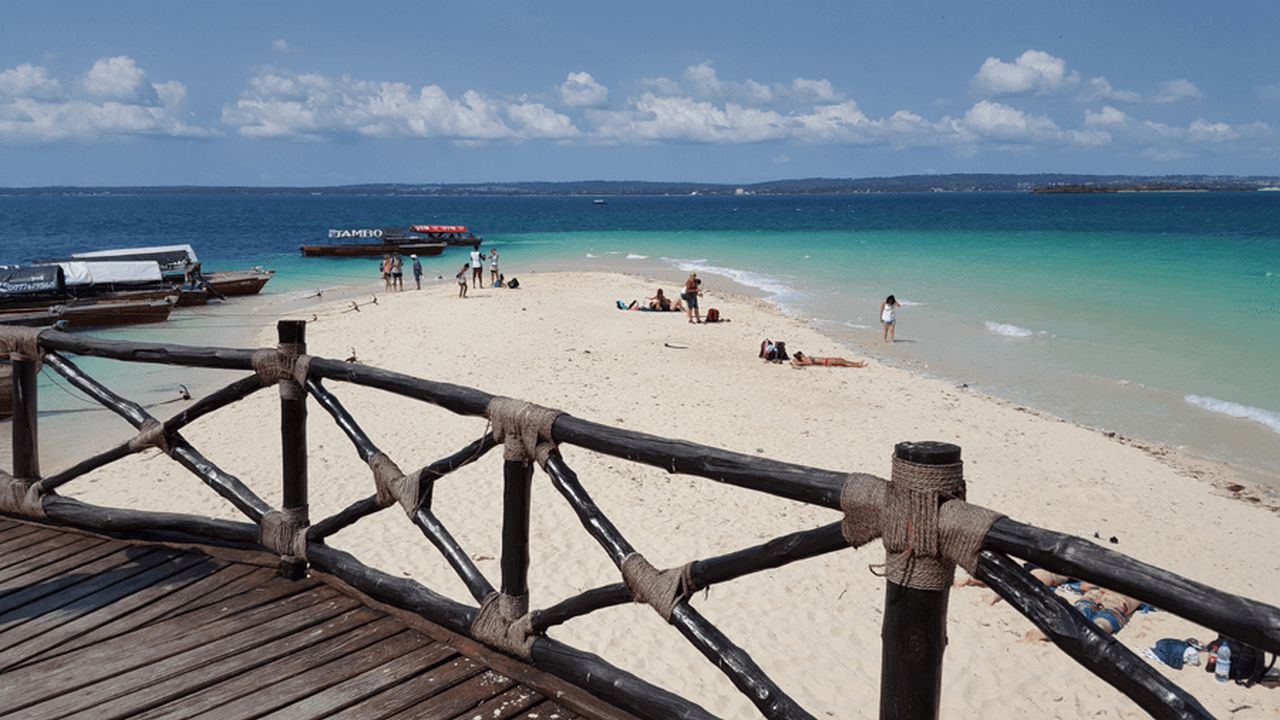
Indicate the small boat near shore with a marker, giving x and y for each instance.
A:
(237, 282)
(6, 389)
(94, 313)
(366, 242)
(453, 235)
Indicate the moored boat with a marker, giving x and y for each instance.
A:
(457, 235)
(6, 389)
(238, 282)
(376, 242)
(94, 313)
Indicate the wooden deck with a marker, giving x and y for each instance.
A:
(97, 627)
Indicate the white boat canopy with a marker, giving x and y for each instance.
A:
(123, 272)
(172, 258)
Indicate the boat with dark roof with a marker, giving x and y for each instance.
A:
(371, 242)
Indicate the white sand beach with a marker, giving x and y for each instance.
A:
(813, 626)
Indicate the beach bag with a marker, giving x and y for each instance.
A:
(780, 351)
(1248, 664)
(766, 349)
(513, 283)
(713, 315)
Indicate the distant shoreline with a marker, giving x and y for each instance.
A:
(957, 182)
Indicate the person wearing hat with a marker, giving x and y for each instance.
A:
(417, 271)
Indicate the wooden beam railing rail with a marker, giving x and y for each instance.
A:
(921, 515)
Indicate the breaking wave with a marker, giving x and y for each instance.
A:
(1007, 330)
(1236, 410)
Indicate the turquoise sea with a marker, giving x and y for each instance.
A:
(1154, 315)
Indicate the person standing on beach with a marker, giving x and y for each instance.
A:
(477, 266)
(692, 289)
(386, 272)
(493, 267)
(889, 317)
(417, 271)
(462, 281)
(397, 272)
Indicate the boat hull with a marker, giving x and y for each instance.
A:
(101, 313)
(372, 250)
(6, 390)
(238, 282)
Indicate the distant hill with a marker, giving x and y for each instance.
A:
(961, 182)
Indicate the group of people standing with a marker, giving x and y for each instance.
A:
(476, 265)
(393, 272)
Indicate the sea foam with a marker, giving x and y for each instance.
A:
(1236, 410)
(1008, 330)
(633, 256)
(775, 286)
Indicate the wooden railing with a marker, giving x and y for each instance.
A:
(923, 524)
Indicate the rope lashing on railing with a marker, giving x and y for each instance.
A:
(923, 519)
(21, 343)
(504, 622)
(151, 435)
(393, 485)
(661, 590)
(523, 428)
(284, 532)
(285, 364)
(20, 496)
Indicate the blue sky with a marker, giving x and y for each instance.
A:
(284, 93)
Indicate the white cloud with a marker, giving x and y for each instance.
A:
(280, 46)
(112, 100)
(117, 78)
(1005, 124)
(313, 107)
(1172, 91)
(1106, 116)
(29, 81)
(579, 89)
(1033, 71)
(1099, 88)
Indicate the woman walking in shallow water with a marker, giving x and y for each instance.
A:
(889, 317)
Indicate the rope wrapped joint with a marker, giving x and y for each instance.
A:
(925, 524)
(394, 486)
(21, 343)
(523, 428)
(661, 590)
(151, 435)
(504, 623)
(285, 364)
(20, 496)
(284, 532)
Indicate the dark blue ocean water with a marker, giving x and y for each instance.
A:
(1157, 313)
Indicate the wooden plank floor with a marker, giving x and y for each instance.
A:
(94, 627)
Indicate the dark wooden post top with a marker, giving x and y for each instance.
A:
(914, 633)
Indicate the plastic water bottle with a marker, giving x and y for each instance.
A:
(1223, 670)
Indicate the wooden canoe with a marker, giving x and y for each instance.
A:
(95, 313)
(237, 282)
(6, 389)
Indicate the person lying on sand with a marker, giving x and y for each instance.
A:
(1107, 609)
(799, 359)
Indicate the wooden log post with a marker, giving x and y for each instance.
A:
(293, 438)
(517, 482)
(914, 633)
(26, 446)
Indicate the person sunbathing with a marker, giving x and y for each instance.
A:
(799, 359)
(1108, 610)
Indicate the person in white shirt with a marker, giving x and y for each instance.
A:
(477, 266)
(889, 317)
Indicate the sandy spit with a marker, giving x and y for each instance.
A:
(814, 626)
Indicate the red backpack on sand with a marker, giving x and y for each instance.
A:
(713, 315)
